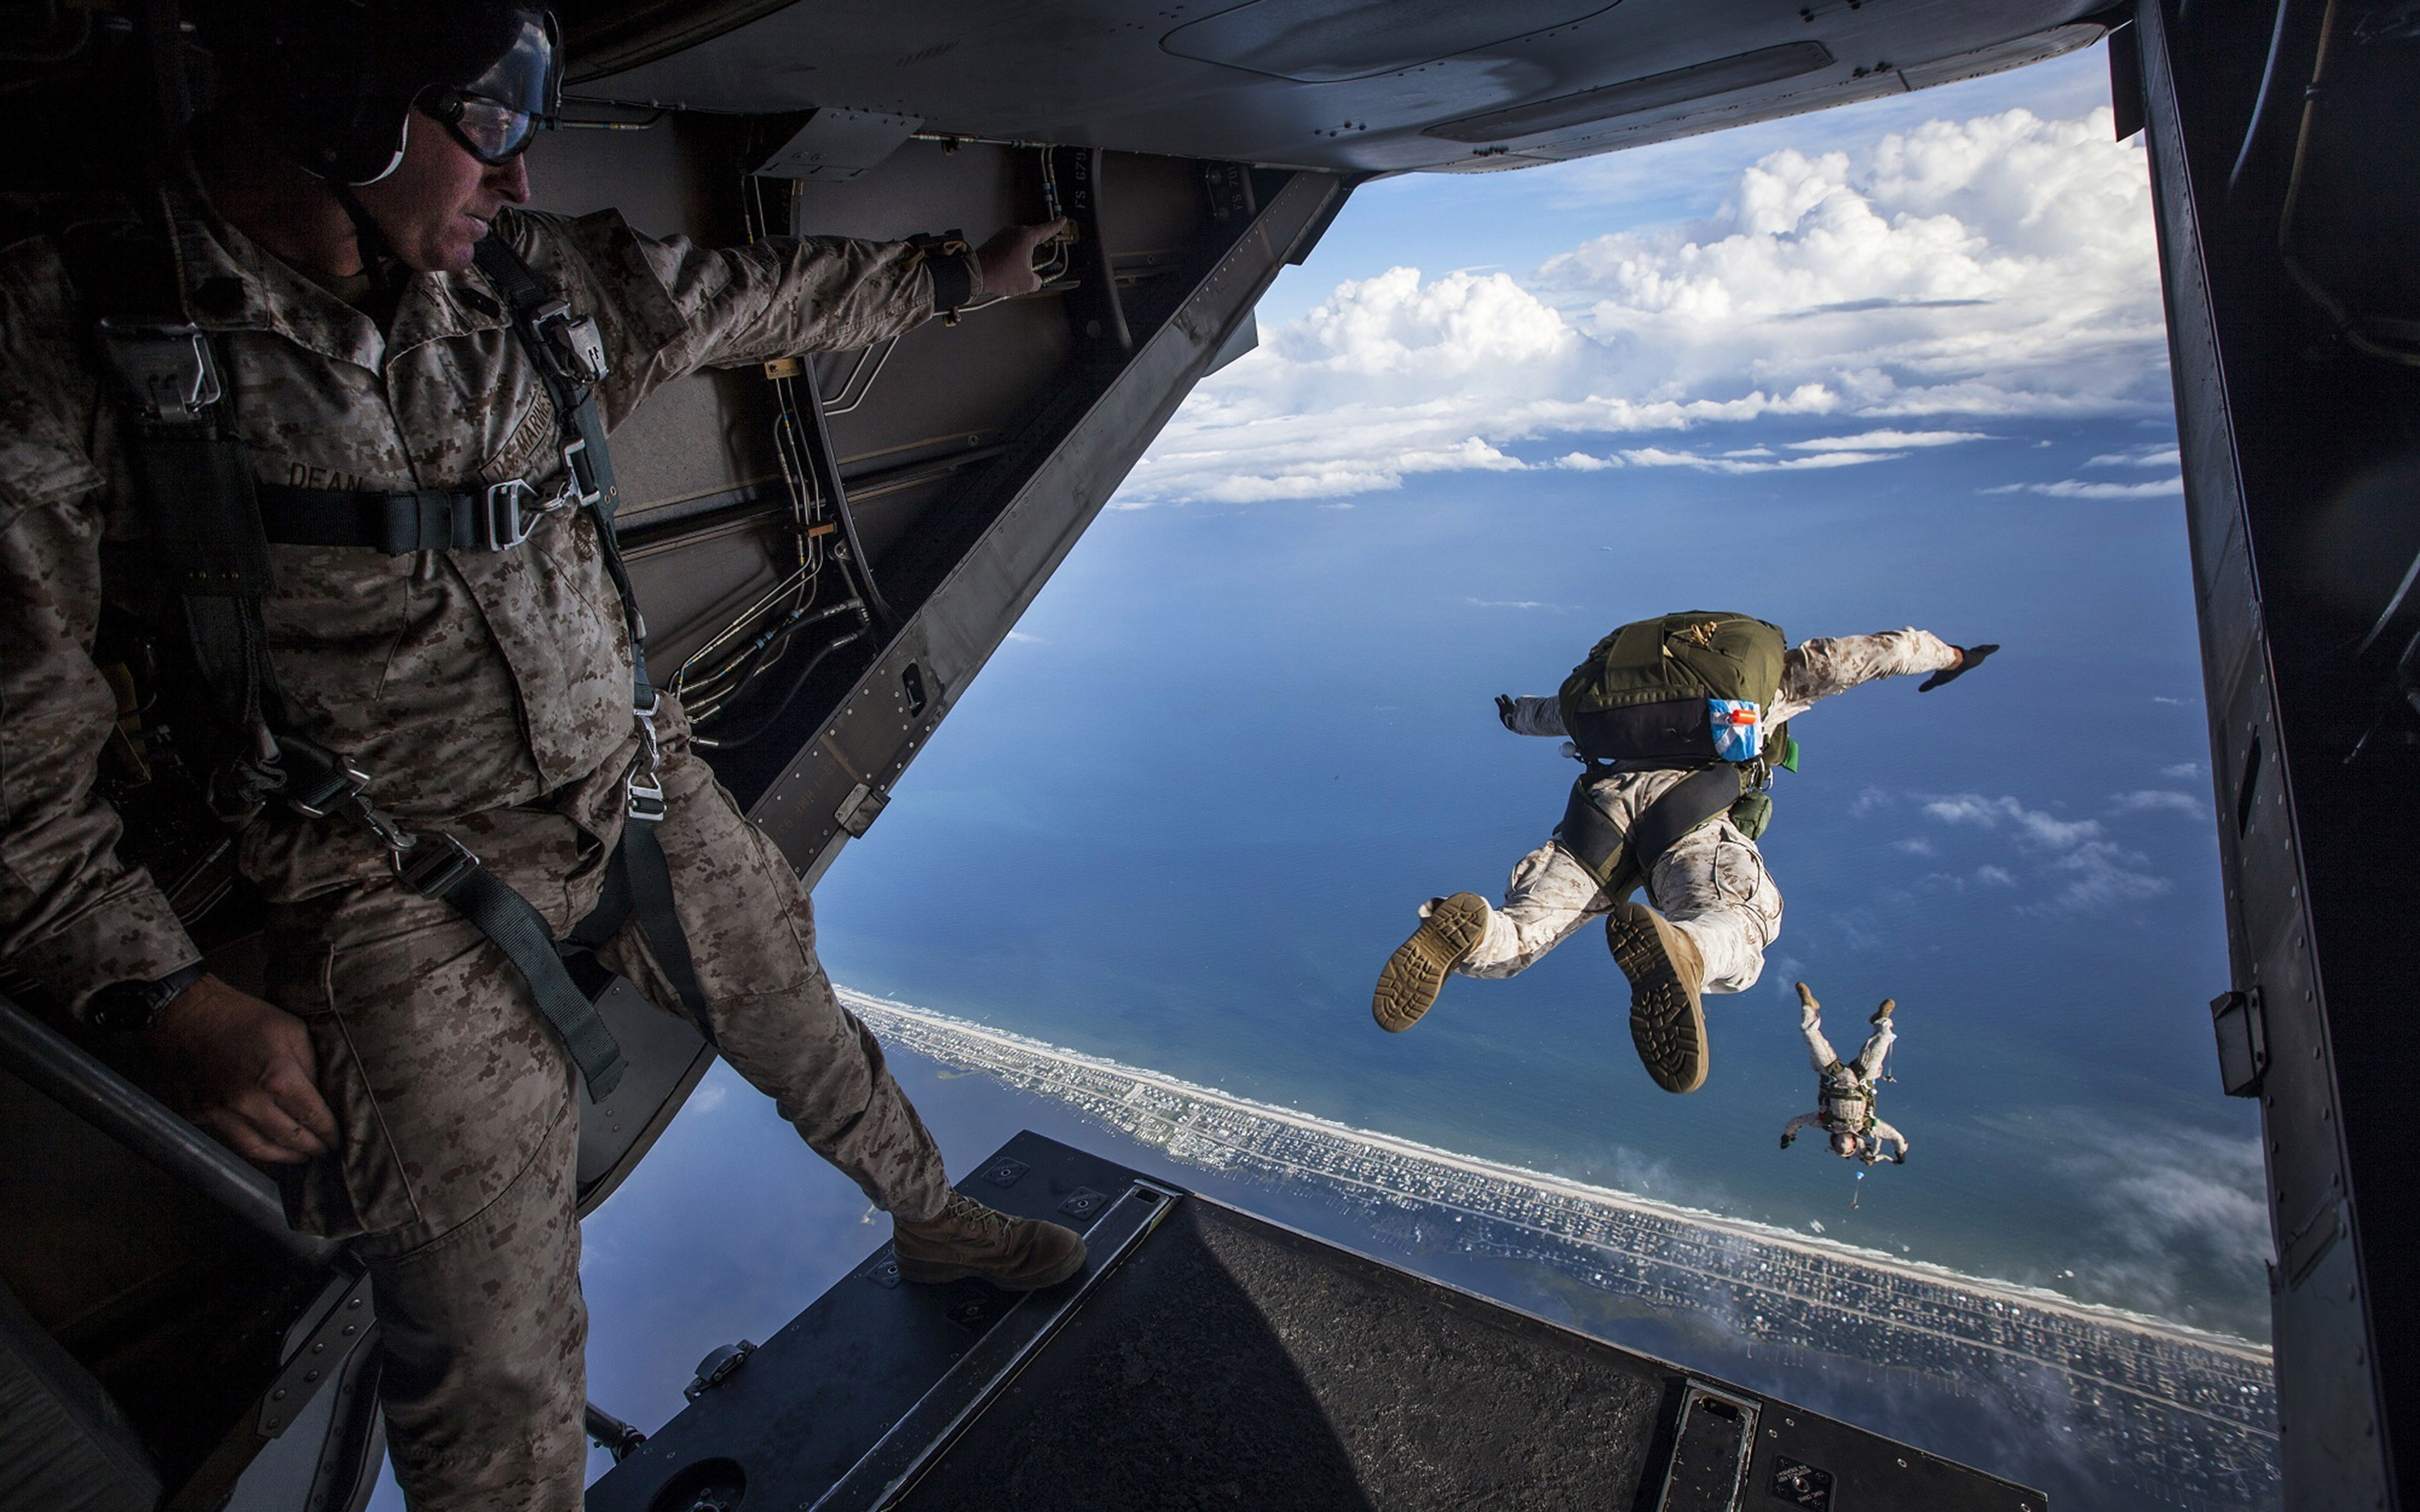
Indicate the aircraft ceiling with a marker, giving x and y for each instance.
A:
(1353, 86)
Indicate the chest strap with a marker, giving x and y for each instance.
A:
(495, 519)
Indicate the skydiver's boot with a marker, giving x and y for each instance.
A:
(1413, 976)
(969, 1239)
(1668, 1020)
(1882, 1012)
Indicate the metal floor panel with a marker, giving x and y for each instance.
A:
(1210, 1359)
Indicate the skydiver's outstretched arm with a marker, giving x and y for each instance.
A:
(1530, 716)
(1885, 1134)
(1804, 1120)
(1820, 667)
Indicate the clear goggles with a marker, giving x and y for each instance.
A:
(490, 131)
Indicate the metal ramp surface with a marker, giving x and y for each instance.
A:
(1209, 1359)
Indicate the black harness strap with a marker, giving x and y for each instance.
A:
(398, 524)
(212, 524)
(1685, 806)
(1620, 859)
(641, 856)
(638, 883)
(1592, 839)
(449, 871)
(555, 344)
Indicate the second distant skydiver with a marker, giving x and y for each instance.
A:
(1681, 721)
(1845, 1089)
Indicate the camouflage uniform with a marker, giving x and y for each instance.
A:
(487, 694)
(1712, 883)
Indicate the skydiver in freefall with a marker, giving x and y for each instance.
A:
(1845, 1089)
(1682, 721)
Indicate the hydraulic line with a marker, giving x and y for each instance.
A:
(835, 497)
(779, 707)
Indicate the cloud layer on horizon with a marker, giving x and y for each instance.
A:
(2001, 266)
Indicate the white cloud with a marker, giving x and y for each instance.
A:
(1021, 638)
(1869, 800)
(1918, 846)
(1512, 602)
(2080, 488)
(1888, 440)
(2166, 1199)
(1657, 457)
(2155, 456)
(2148, 798)
(1994, 267)
(2032, 827)
(2082, 868)
(2182, 769)
(2099, 874)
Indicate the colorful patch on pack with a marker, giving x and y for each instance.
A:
(1739, 729)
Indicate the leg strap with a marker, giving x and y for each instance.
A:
(1592, 839)
(1622, 860)
(1685, 806)
(517, 929)
(642, 857)
(639, 881)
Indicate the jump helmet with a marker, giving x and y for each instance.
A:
(334, 83)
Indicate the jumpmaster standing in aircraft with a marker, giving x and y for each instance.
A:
(320, 417)
(1844, 1107)
(1681, 721)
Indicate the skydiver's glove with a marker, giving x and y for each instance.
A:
(1785, 1141)
(1504, 710)
(1969, 658)
(1900, 1158)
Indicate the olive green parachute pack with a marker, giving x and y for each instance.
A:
(1682, 692)
(1649, 694)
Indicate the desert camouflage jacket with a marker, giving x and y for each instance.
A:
(462, 681)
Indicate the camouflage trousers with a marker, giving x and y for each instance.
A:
(456, 1177)
(1712, 885)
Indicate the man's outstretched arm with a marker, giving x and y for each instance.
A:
(1885, 1134)
(1804, 1120)
(1826, 665)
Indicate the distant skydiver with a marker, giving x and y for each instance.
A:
(1681, 721)
(1845, 1091)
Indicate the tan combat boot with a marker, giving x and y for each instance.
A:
(1413, 976)
(969, 1239)
(1668, 1021)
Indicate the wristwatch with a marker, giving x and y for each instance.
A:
(132, 1006)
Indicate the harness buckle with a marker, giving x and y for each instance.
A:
(504, 522)
(573, 340)
(168, 369)
(430, 869)
(331, 789)
(580, 483)
(645, 795)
